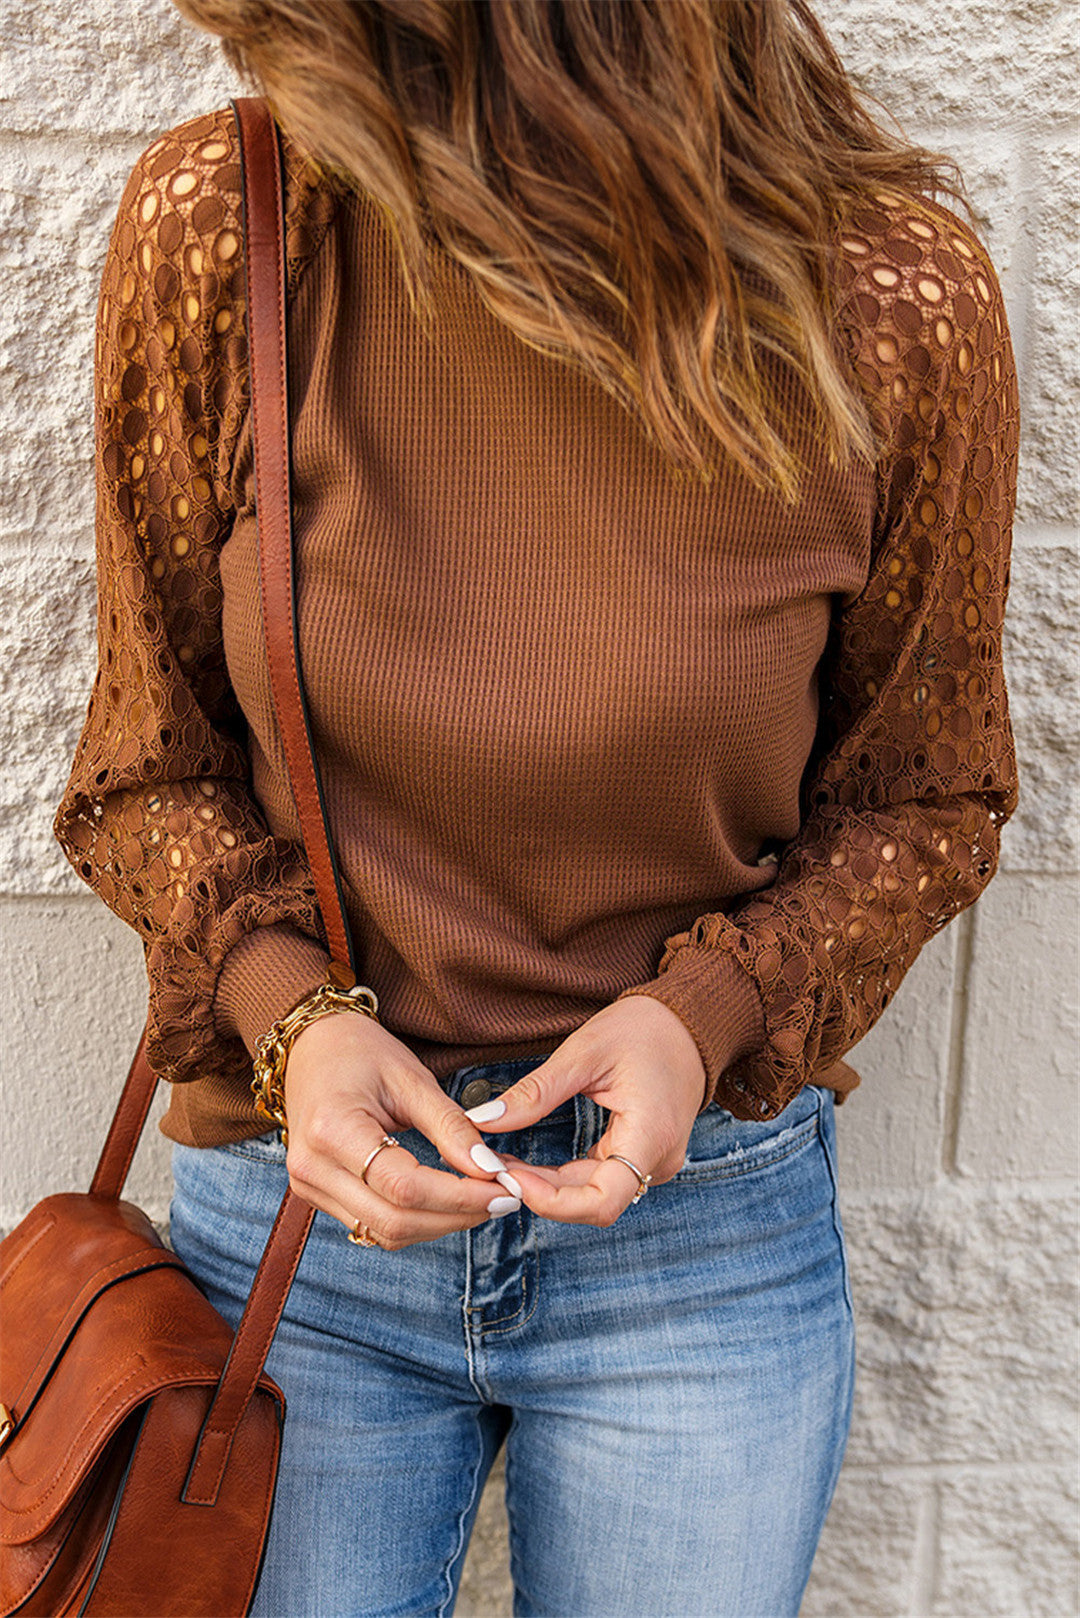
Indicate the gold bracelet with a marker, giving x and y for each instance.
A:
(340, 992)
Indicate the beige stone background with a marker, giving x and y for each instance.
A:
(958, 1155)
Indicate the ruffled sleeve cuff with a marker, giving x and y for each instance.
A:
(720, 1004)
(262, 977)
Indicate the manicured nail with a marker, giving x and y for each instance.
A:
(507, 1179)
(485, 1158)
(487, 1111)
(503, 1205)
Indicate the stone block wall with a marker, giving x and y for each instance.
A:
(958, 1154)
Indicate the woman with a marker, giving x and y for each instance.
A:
(654, 435)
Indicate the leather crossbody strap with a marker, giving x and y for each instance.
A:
(127, 1125)
(265, 270)
(264, 259)
(264, 190)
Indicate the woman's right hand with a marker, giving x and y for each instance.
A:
(349, 1081)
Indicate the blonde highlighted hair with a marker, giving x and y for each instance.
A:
(649, 189)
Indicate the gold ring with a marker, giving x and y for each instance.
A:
(644, 1180)
(387, 1140)
(362, 1237)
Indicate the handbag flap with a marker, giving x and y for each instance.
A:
(67, 1250)
(99, 1315)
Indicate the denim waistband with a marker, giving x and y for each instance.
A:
(482, 1080)
(494, 1076)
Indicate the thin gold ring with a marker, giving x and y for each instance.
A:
(361, 1236)
(387, 1140)
(644, 1180)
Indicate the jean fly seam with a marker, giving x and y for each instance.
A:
(472, 1368)
(500, 1326)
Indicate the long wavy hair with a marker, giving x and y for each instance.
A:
(649, 189)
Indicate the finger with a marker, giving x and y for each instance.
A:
(535, 1094)
(357, 1139)
(649, 1143)
(394, 1228)
(345, 1136)
(575, 1172)
(459, 1142)
(399, 1178)
(342, 1195)
(599, 1199)
(599, 1188)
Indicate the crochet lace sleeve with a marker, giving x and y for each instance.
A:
(157, 816)
(913, 770)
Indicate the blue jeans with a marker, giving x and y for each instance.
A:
(674, 1391)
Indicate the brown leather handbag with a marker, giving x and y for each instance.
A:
(140, 1436)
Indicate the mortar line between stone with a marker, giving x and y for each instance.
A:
(1055, 1185)
(954, 1077)
(888, 1473)
(924, 1555)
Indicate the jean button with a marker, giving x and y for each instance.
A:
(475, 1093)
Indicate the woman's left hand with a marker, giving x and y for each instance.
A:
(636, 1058)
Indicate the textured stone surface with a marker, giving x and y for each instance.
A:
(59, 218)
(1023, 1065)
(958, 1497)
(863, 1567)
(966, 1313)
(959, 63)
(73, 999)
(1007, 1544)
(988, 86)
(1043, 676)
(52, 640)
(888, 1131)
(1051, 443)
(106, 68)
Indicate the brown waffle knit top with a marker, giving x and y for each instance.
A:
(587, 727)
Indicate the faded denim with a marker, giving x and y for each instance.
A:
(674, 1392)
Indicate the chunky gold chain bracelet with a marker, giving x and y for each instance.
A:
(340, 992)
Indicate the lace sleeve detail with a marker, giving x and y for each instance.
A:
(913, 771)
(157, 817)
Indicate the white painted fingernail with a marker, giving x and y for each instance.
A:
(507, 1179)
(486, 1112)
(503, 1205)
(485, 1158)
